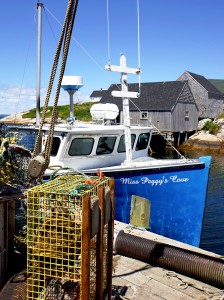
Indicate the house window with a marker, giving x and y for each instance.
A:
(186, 114)
(144, 115)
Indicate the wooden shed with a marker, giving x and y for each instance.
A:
(208, 97)
(169, 106)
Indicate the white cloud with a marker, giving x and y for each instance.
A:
(15, 99)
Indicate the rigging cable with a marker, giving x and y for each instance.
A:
(77, 42)
(23, 76)
(139, 64)
(108, 33)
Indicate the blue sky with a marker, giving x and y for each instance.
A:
(175, 35)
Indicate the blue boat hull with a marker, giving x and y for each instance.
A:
(177, 197)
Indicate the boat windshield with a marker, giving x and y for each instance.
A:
(121, 146)
(143, 141)
(81, 146)
(55, 145)
(105, 145)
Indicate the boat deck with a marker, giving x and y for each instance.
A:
(139, 280)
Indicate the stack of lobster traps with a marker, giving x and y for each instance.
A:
(70, 238)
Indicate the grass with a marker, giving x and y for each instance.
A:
(218, 83)
(81, 111)
(213, 128)
(221, 116)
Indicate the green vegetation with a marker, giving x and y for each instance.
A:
(221, 116)
(212, 127)
(81, 111)
(218, 83)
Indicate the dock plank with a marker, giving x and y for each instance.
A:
(145, 281)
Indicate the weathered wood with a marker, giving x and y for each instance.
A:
(99, 254)
(86, 218)
(110, 241)
(146, 281)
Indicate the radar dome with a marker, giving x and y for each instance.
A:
(107, 111)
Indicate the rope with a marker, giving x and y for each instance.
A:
(50, 85)
(70, 22)
(211, 294)
(64, 37)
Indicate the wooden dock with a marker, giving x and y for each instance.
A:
(139, 280)
(136, 280)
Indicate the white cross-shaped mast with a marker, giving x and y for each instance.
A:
(125, 95)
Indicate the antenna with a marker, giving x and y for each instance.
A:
(108, 42)
(108, 33)
(139, 65)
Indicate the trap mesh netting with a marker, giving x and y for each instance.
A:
(68, 238)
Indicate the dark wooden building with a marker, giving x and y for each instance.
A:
(208, 98)
(170, 106)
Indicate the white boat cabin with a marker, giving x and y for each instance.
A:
(95, 146)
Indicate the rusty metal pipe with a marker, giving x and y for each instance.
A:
(199, 266)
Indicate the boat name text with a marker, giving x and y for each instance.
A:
(155, 182)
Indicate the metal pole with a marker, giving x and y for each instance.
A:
(39, 35)
(124, 88)
(71, 93)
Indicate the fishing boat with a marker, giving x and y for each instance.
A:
(168, 195)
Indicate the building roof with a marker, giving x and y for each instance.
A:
(154, 96)
(212, 89)
(98, 93)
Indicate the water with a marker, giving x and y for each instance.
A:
(212, 238)
(2, 116)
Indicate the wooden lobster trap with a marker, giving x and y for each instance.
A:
(70, 238)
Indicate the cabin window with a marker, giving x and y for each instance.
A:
(105, 145)
(143, 141)
(81, 146)
(186, 114)
(121, 146)
(55, 145)
(144, 115)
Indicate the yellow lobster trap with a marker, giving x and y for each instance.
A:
(70, 238)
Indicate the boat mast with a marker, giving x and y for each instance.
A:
(125, 94)
(39, 36)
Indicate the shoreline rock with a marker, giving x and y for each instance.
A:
(18, 119)
(205, 141)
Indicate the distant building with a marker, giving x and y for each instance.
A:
(208, 97)
(97, 95)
